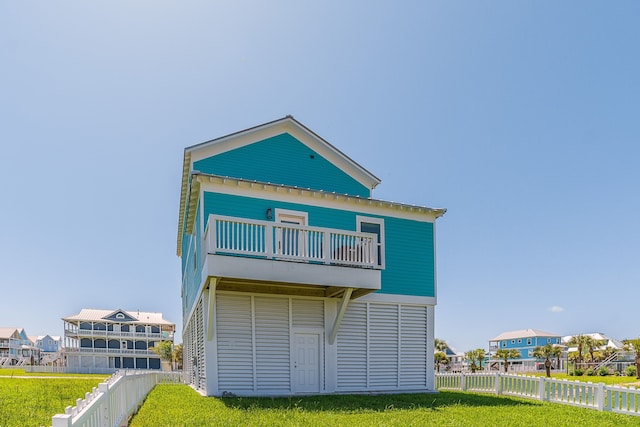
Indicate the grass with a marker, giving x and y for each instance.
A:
(608, 380)
(18, 372)
(179, 405)
(26, 402)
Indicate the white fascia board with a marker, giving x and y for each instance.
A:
(295, 129)
(316, 198)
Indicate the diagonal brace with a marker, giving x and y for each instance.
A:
(341, 310)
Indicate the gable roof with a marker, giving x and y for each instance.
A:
(249, 136)
(7, 333)
(523, 333)
(98, 315)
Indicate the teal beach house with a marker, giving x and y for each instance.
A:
(295, 279)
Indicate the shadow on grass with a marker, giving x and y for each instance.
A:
(373, 403)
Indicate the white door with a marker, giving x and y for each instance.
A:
(291, 241)
(306, 363)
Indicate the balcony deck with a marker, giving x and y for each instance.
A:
(265, 256)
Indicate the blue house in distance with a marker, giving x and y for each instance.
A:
(295, 280)
(525, 341)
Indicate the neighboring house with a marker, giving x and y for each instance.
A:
(525, 341)
(16, 349)
(617, 358)
(48, 343)
(105, 340)
(294, 279)
(610, 343)
(50, 349)
(456, 360)
(10, 343)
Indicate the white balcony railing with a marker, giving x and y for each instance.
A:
(112, 334)
(111, 351)
(271, 240)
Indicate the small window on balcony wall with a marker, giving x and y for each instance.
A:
(119, 316)
(374, 226)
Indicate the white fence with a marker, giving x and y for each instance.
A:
(624, 400)
(115, 400)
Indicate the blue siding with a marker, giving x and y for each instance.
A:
(524, 347)
(409, 260)
(280, 160)
(191, 277)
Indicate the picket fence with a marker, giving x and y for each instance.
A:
(620, 399)
(115, 400)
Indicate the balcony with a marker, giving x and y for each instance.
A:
(109, 351)
(76, 333)
(265, 256)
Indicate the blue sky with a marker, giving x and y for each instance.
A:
(521, 118)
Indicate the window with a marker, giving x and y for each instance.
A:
(374, 226)
(513, 341)
(504, 343)
(519, 340)
(119, 316)
(529, 341)
(548, 340)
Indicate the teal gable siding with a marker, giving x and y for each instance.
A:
(190, 275)
(409, 250)
(282, 160)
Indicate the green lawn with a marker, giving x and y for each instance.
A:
(179, 405)
(26, 402)
(608, 380)
(19, 372)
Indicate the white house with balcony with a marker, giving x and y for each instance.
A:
(295, 279)
(106, 340)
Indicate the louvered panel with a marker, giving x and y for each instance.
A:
(383, 346)
(201, 365)
(352, 348)
(235, 346)
(272, 343)
(308, 313)
(413, 347)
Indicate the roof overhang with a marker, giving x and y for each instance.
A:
(248, 136)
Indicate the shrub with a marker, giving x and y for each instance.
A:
(578, 372)
(630, 371)
(603, 371)
(590, 372)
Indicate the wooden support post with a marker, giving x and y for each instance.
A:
(341, 310)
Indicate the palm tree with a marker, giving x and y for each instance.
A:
(578, 341)
(441, 359)
(471, 357)
(506, 354)
(592, 345)
(440, 345)
(474, 356)
(634, 346)
(546, 352)
(480, 354)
